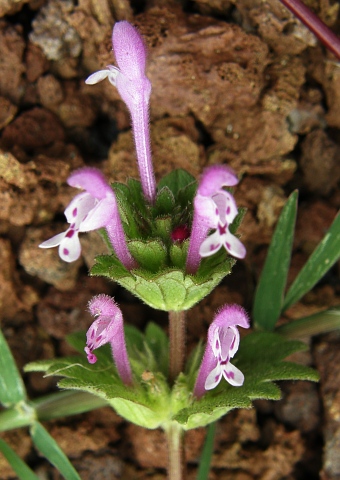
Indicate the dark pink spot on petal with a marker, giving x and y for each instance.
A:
(222, 229)
(228, 211)
(230, 375)
(232, 343)
(75, 211)
(214, 247)
(66, 251)
(70, 233)
(227, 245)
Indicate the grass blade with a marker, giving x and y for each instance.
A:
(12, 389)
(270, 290)
(52, 452)
(204, 467)
(18, 465)
(321, 260)
(321, 322)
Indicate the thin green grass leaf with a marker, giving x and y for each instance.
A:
(18, 465)
(12, 389)
(321, 260)
(204, 466)
(270, 290)
(321, 322)
(52, 452)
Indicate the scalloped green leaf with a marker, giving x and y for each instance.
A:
(150, 254)
(109, 263)
(169, 289)
(162, 227)
(178, 253)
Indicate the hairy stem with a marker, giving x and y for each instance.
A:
(177, 343)
(314, 24)
(175, 440)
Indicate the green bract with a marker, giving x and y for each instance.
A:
(161, 280)
(152, 403)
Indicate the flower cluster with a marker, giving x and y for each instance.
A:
(96, 207)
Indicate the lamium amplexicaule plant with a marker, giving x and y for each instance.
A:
(170, 244)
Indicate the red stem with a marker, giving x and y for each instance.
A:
(315, 25)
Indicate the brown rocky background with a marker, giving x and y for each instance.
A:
(238, 82)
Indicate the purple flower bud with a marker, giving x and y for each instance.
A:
(90, 210)
(214, 208)
(135, 89)
(223, 342)
(108, 328)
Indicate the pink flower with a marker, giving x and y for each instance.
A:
(90, 210)
(214, 208)
(108, 328)
(225, 213)
(223, 342)
(135, 89)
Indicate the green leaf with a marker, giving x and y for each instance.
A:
(132, 207)
(109, 263)
(12, 389)
(270, 290)
(162, 228)
(170, 289)
(320, 322)
(321, 260)
(146, 404)
(134, 338)
(150, 254)
(176, 180)
(20, 467)
(205, 461)
(178, 253)
(158, 342)
(165, 201)
(52, 452)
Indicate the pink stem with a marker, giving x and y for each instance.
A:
(315, 25)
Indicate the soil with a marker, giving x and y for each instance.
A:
(242, 83)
